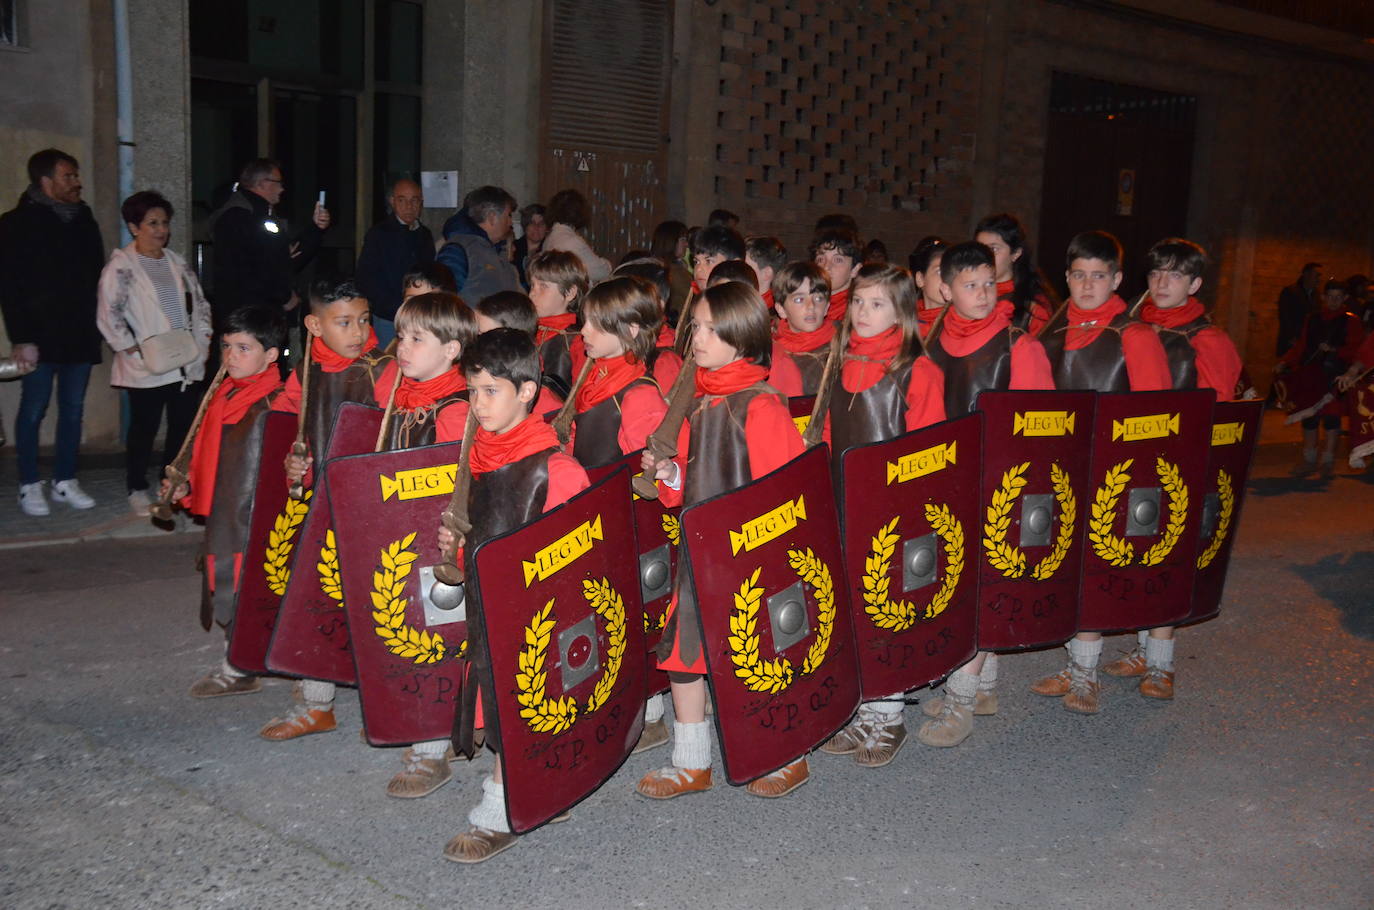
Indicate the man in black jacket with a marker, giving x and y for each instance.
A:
(255, 258)
(392, 249)
(51, 256)
(1295, 302)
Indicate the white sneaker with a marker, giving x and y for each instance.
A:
(139, 503)
(31, 499)
(70, 492)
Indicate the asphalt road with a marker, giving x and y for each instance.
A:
(1252, 789)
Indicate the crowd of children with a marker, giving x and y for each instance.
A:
(917, 345)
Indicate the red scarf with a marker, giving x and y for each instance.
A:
(1005, 288)
(608, 376)
(232, 400)
(1172, 318)
(734, 376)
(413, 395)
(333, 362)
(768, 299)
(667, 337)
(550, 326)
(839, 305)
(1086, 325)
(800, 342)
(926, 315)
(961, 336)
(867, 359)
(491, 451)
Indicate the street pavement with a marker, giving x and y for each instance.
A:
(1252, 789)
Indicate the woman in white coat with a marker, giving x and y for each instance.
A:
(146, 291)
(570, 213)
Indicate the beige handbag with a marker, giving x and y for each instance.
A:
(169, 351)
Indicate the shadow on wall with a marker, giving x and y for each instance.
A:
(1342, 579)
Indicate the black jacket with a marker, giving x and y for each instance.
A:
(49, 274)
(253, 264)
(390, 250)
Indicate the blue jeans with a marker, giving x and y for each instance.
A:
(36, 390)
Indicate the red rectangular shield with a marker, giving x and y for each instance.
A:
(408, 632)
(910, 519)
(774, 613)
(658, 530)
(311, 636)
(1148, 471)
(560, 607)
(800, 408)
(1235, 434)
(1035, 493)
(257, 598)
(1360, 406)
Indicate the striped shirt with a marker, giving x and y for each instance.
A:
(160, 271)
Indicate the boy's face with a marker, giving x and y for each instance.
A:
(1092, 282)
(1003, 256)
(485, 323)
(1170, 288)
(974, 292)
(1334, 298)
(244, 356)
(839, 268)
(498, 405)
(548, 299)
(416, 288)
(763, 274)
(710, 350)
(601, 344)
(702, 265)
(804, 310)
(871, 311)
(422, 356)
(929, 283)
(342, 325)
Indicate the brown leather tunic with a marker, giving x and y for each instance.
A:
(598, 429)
(878, 412)
(989, 367)
(812, 365)
(329, 390)
(555, 356)
(409, 429)
(226, 527)
(1178, 348)
(717, 461)
(1100, 366)
(499, 501)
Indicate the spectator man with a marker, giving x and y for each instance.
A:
(51, 256)
(478, 252)
(392, 249)
(255, 257)
(1295, 302)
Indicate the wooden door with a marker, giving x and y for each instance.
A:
(605, 114)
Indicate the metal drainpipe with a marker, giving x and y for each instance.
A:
(124, 84)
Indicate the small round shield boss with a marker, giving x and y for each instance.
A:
(1039, 520)
(655, 575)
(922, 562)
(1146, 511)
(791, 617)
(446, 597)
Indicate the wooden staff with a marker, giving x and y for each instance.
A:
(563, 420)
(176, 471)
(386, 415)
(815, 429)
(299, 448)
(455, 515)
(663, 441)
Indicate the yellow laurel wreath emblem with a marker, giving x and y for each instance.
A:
(281, 541)
(1112, 549)
(1172, 481)
(328, 568)
(673, 528)
(773, 676)
(554, 715)
(1010, 560)
(389, 608)
(900, 615)
(1227, 495)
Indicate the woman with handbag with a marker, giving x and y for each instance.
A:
(155, 317)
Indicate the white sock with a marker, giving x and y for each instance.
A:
(962, 687)
(692, 745)
(1085, 653)
(431, 748)
(490, 813)
(884, 712)
(987, 679)
(1159, 652)
(1140, 638)
(227, 670)
(653, 709)
(317, 694)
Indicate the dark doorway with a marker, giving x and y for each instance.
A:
(1118, 158)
